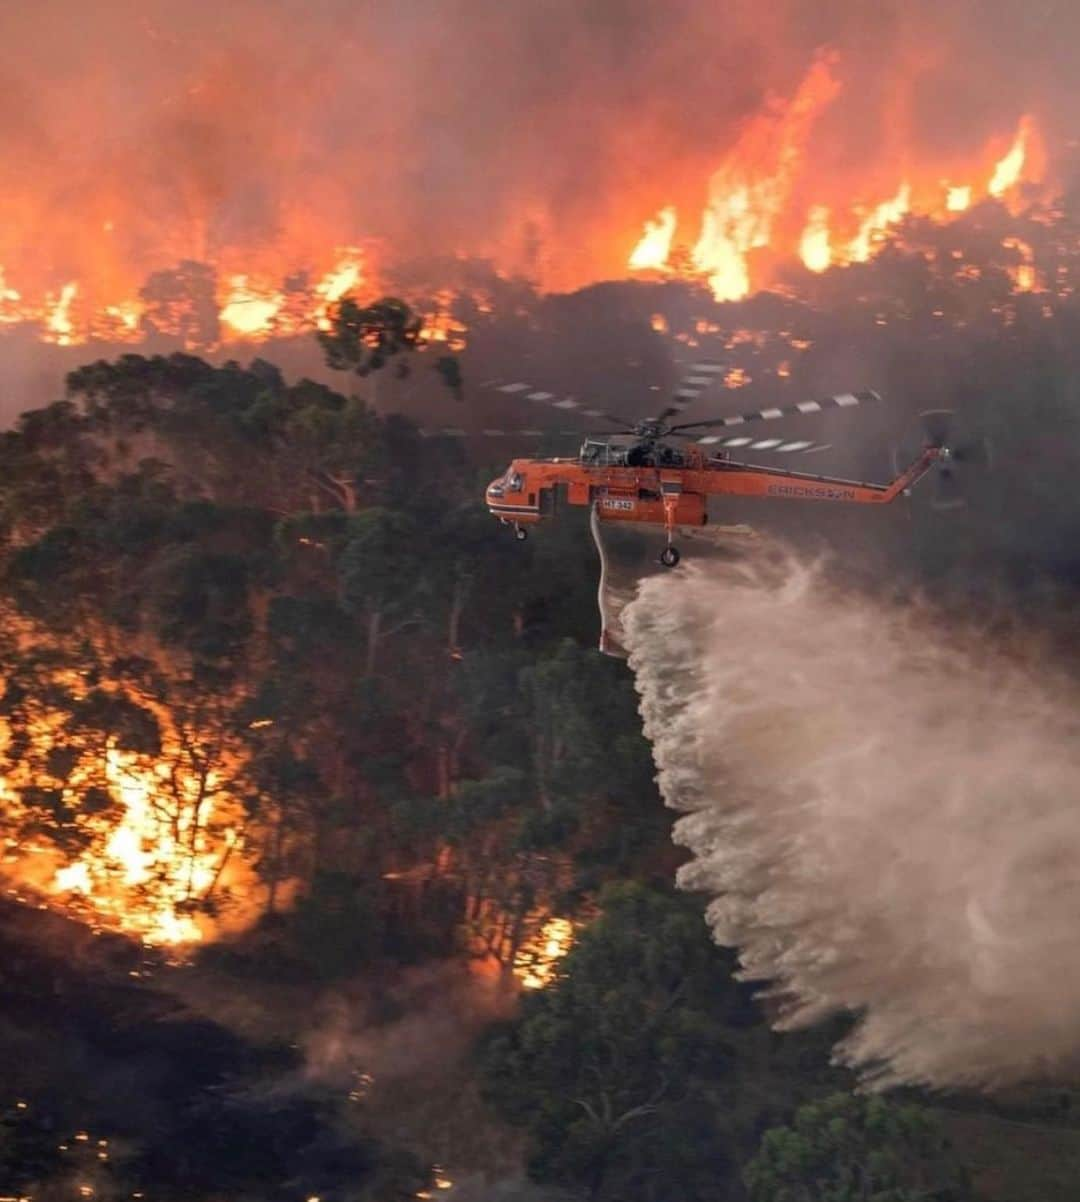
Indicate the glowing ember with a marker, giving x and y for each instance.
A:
(651, 253)
(1023, 273)
(814, 249)
(534, 964)
(440, 1179)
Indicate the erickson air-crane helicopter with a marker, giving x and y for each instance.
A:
(652, 472)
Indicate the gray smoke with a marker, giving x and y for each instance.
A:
(884, 811)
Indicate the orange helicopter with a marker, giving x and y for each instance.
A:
(636, 474)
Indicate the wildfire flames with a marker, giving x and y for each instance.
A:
(774, 197)
(168, 857)
(756, 213)
(150, 842)
(534, 964)
(172, 835)
(243, 307)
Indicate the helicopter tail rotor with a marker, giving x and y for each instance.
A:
(961, 452)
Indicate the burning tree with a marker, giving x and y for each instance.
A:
(125, 787)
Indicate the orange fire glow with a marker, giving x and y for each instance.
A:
(534, 963)
(875, 224)
(814, 248)
(652, 252)
(749, 221)
(168, 849)
(58, 323)
(248, 311)
(9, 300)
(346, 276)
(439, 324)
(250, 306)
(779, 192)
(750, 190)
(159, 852)
(957, 198)
(1023, 273)
(1009, 170)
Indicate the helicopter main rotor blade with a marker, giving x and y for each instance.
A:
(699, 378)
(779, 446)
(843, 400)
(538, 396)
(460, 432)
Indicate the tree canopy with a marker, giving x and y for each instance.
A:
(846, 1148)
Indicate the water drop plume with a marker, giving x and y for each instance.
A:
(884, 811)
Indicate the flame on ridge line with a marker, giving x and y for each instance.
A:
(748, 208)
(760, 207)
(247, 306)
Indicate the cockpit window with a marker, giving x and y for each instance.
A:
(513, 481)
(602, 454)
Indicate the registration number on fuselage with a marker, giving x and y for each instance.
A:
(626, 506)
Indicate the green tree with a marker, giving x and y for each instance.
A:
(847, 1148)
(617, 1069)
(379, 577)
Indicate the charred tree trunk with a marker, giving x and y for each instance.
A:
(462, 588)
(374, 624)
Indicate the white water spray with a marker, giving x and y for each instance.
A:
(887, 821)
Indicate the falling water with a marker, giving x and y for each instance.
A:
(886, 815)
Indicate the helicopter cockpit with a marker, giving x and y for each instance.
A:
(595, 453)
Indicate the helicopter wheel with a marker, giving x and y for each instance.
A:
(520, 533)
(670, 557)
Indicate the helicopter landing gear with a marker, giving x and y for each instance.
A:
(670, 556)
(520, 533)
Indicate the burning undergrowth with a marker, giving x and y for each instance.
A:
(882, 810)
(121, 799)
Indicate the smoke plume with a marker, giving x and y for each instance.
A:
(883, 812)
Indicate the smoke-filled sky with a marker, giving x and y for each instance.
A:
(882, 811)
(545, 133)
